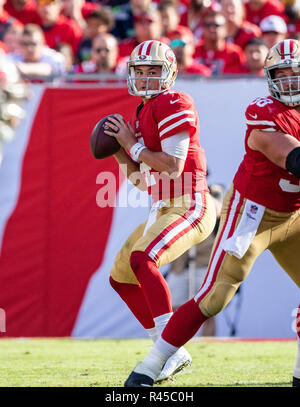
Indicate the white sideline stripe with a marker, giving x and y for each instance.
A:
(261, 122)
(179, 228)
(220, 246)
(176, 124)
(13, 156)
(173, 116)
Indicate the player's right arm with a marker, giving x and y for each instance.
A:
(266, 137)
(132, 169)
(276, 146)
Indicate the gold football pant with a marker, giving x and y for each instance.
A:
(184, 222)
(278, 231)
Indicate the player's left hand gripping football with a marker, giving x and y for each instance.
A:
(121, 131)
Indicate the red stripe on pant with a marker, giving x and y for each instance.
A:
(183, 232)
(171, 226)
(222, 254)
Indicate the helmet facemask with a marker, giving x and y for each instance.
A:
(285, 89)
(164, 82)
(151, 53)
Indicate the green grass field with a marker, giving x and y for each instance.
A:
(107, 363)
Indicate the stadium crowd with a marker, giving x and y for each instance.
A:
(209, 37)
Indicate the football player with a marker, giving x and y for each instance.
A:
(161, 151)
(260, 210)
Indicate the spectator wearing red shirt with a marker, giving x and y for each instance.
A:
(170, 18)
(12, 38)
(6, 21)
(78, 10)
(257, 10)
(105, 57)
(292, 11)
(239, 31)
(273, 30)
(147, 26)
(23, 10)
(197, 9)
(184, 48)
(97, 22)
(256, 52)
(213, 51)
(56, 27)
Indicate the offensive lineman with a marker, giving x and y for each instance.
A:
(163, 145)
(261, 211)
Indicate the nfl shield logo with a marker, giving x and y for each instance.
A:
(253, 209)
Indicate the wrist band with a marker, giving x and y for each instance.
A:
(136, 150)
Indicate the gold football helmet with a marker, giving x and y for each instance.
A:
(152, 53)
(285, 54)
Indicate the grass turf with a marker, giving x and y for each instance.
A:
(107, 363)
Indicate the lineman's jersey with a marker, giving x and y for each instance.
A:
(258, 178)
(164, 116)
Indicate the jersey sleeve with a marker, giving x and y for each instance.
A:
(259, 115)
(174, 113)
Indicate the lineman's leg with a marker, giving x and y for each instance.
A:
(286, 252)
(175, 231)
(124, 282)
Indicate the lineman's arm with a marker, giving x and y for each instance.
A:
(282, 149)
(157, 160)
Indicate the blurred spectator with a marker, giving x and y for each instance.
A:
(147, 26)
(256, 52)
(6, 21)
(123, 15)
(104, 57)
(239, 31)
(292, 11)
(273, 30)
(257, 10)
(67, 52)
(184, 48)
(12, 38)
(78, 10)
(3, 49)
(183, 279)
(169, 17)
(197, 9)
(213, 51)
(12, 91)
(56, 27)
(97, 22)
(23, 10)
(35, 58)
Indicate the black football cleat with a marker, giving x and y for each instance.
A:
(296, 382)
(138, 380)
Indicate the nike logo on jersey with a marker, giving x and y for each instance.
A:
(253, 115)
(174, 101)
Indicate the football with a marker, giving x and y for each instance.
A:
(101, 144)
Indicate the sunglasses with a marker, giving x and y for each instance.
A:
(29, 44)
(215, 25)
(99, 50)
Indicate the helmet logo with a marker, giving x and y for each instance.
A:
(170, 55)
(142, 57)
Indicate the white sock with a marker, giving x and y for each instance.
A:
(161, 321)
(152, 332)
(152, 364)
(297, 365)
(165, 347)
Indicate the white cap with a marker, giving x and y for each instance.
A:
(273, 23)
